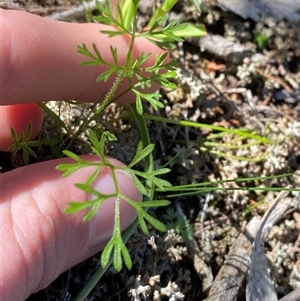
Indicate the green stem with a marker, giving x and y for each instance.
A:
(149, 167)
(161, 11)
(211, 189)
(108, 99)
(230, 146)
(238, 132)
(232, 157)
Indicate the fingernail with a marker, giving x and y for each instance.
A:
(102, 224)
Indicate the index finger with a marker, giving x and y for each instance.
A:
(40, 62)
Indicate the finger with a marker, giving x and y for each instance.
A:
(18, 117)
(38, 240)
(40, 61)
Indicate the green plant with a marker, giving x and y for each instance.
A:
(261, 39)
(237, 135)
(179, 223)
(116, 243)
(204, 187)
(124, 20)
(23, 143)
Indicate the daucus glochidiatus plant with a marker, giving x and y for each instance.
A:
(124, 19)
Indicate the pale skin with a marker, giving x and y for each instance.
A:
(38, 241)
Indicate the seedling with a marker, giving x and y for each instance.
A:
(124, 20)
(23, 143)
(261, 39)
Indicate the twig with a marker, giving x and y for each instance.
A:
(228, 50)
(292, 296)
(75, 11)
(234, 270)
(203, 215)
(275, 79)
(259, 285)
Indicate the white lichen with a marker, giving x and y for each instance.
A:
(139, 290)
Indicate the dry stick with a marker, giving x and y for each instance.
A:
(281, 208)
(293, 296)
(259, 285)
(203, 215)
(277, 80)
(232, 274)
(74, 12)
(228, 50)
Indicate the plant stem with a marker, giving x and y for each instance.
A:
(238, 132)
(149, 167)
(108, 99)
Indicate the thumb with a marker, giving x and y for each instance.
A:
(38, 241)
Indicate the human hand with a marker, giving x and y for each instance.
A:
(39, 62)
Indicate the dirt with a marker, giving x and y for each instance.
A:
(233, 91)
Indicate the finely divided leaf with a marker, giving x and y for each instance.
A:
(143, 215)
(143, 224)
(150, 97)
(93, 176)
(72, 156)
(28, 132)
(158, 203)
(14, 134)
(106, 253)
(190, 30)
(126, 256)
(139, 185)
(160, 183)
(117, 256)
(114, 54)
(88, 189)
(29, 151)
(161, 171)
(155, 223)
(91, 213)
(94, 139)
(139, 106)
(69, 168)
(119, 249)
(101, 146)
(76, 207)
(140, 60)
(105, 75)
(141, 153)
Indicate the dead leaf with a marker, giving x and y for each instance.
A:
(213, 67)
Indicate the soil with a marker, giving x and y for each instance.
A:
(257, 89)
